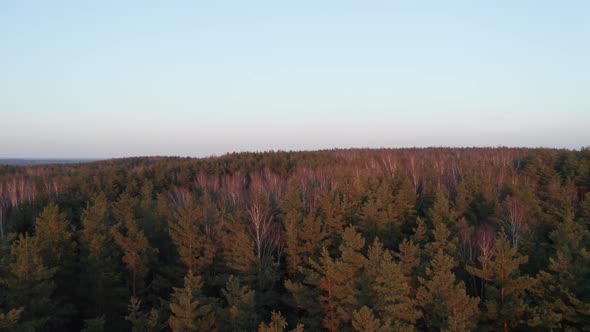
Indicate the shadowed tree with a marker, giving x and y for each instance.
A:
(9, 320)
(240, 312)
(190, 310)
(131, 239)
(389, 292)
(562, 291)
(363, 320)
(102, 287)
(278, 324)
(142, 321)
(444, 301)
(196, 250)
(30, 285)
(505, 286)
(58, 249)
(55, 238)
(340, 280)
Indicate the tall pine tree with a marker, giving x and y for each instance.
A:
(132, 241)
(505, 290)
(190, 310)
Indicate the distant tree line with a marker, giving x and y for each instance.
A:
(438, 239)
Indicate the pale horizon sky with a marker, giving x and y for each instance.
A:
(101, 79)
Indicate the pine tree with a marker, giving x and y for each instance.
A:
(195, 249)
(94, 325)
(420, 236)
(30, 284)
(505, 286)
(311, 235)
(58, 249)
(562, 290)
(142, 321)
(55, 238)
(443, 227)
(101, 280)
(305, 295)
(444, 301)
(190, 310)
(376, 217)
(392, 290)
(240, 312)
(277, 324)
(363, 320)
(409, 260)
(340, 280)
(303, 231)
(238, 246)
(131, 239)
(9, 320)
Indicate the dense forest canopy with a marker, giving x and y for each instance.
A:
(436, 239)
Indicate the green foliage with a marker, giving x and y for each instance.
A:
(562, 291)
(444, 301)
(55, 238)
(239, 248)
(94, 324)
(190, 310)
(30, 285)
(304, 232)
(305, 295)
(391, 289)
(505, 289)
(365, 321)
(101, 286)
(277, 324)
(142, 321)
(239, 313)
(340, 280)
(131, 239)
(8, 321)
(288, 231)
(195, 249)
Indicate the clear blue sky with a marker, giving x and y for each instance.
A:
(125, 78)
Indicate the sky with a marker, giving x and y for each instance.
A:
(101, 79)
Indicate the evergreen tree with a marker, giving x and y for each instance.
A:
(238, 246)
(9, 320)
(391, 292)
(310, 236)
(58, 249)
(376, 214)
(195, 249)
(131, 239)
(293, 219)
(55, 239)
(340, 280)
(409, 260)
(504, 298)
(240, 312)
(443, 227)
(142, 321)
(305, 295)
(190, 310)
(562, 291)
(30, 285)
(277, 324)
(444, 301)
(365, 321)
(94, 325)
(101, 280)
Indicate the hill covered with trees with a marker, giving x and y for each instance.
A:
(437, 239)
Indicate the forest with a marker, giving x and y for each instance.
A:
(429, 239)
